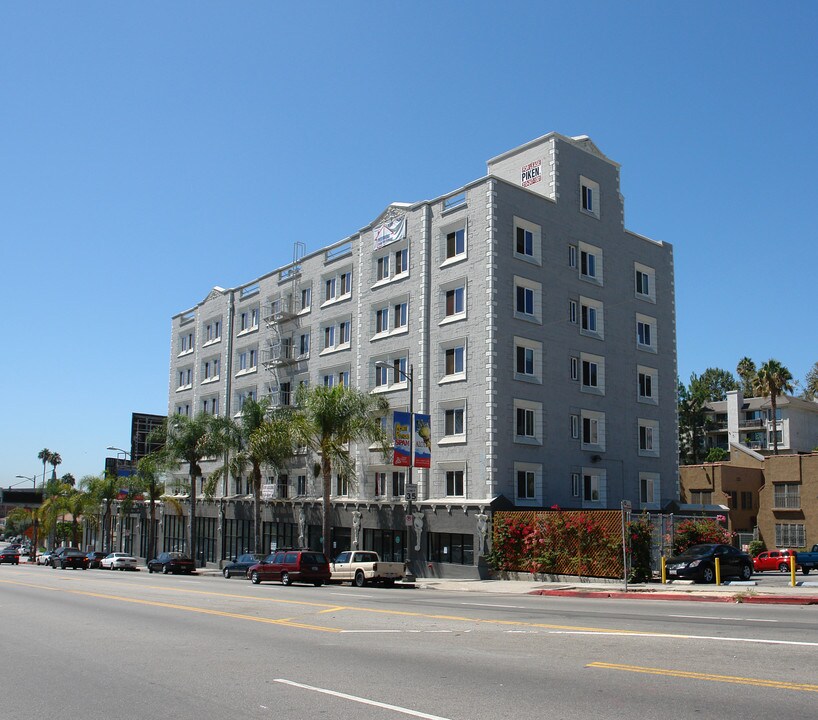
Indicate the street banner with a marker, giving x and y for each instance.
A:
(423, 441)
(389, 232)
(402, 449)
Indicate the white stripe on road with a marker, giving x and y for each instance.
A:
(364, 701)
(516, 607)
(757, 641)
(711, 617)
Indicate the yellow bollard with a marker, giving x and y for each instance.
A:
(792, 569)
(718, 571)
(664, 570)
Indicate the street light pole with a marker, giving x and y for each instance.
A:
(126, 460)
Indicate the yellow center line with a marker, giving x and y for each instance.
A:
(757, 682)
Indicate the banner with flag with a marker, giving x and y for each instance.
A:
(402, 437)
(423, 441)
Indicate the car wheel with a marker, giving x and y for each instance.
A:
(53, 566)
(165, 570)
(746, 572)
(805, 570)
(783, 567)
(226, 573)
(285, 578)
(62, 566)
(255, 578)
(150, 569)
(360, 579)
(708, 575)
(318, 583)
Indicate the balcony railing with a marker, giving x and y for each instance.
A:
(753, 423)
(280, 311)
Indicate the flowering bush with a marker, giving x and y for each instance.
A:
(640, 537)
(700, 530)
(508, 542)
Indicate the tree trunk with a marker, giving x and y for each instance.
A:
(326, 473)
(191, 530)
(257, 510)
(151, 531)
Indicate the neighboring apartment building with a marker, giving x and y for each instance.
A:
(749, 422)
(773, 497)
(540, 335)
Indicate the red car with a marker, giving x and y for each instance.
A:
(289, 566)
(773, 560)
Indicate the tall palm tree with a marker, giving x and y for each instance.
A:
(80, 505)
(147, 477)
(328, 420)
(45, 456)
(54, 460)
(52, 508)
(258, 439)
(773, 379)
(746, 370)
(191, 440)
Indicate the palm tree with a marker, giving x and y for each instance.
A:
(80, 505)
(259, 439)
(45, 456)
(54, 460)
(329, 418)
(52, 508)
(147, 478)
(773, 379)
(746, 370)
(103, 489)
(191, 440)
(811, 384)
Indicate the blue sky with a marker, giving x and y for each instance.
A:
(149, 151)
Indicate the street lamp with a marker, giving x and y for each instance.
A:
(409, 490)
(26, 477)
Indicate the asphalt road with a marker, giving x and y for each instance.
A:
(96, 644)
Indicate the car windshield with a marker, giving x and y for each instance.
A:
(699, 550)
(312, 558)
(177, 556)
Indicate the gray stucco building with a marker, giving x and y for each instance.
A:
(539, 333)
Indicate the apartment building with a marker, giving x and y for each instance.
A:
(539, 334)
(749, 422)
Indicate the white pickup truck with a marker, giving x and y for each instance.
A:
(360, 567)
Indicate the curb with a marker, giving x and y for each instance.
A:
(732, 598)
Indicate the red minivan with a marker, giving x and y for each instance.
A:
(289, 566)
(773, 560)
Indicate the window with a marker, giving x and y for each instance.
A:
(701, 497)
(341, 485)
(648, 437)
(575, 427)
(527, 241)
(590, 263)
(381, 320)
(646, 384)
(380, 484)
(343, 332)
(398, 483)
(575, 368)
(213, 331)
(575, 484)
(210, 406)
(338, 286)
(381, 376)
(593, 373)
(455, 243)
(454, 422)
(283, 486)
(248, 320)
(572, 256)
(306, 298)
(591, 318)
(590, 488)
(399, 317)
(593, 430)
(450, 548)
(210, 370)
(185, 378)
(329, 380)
(746, 500)
(648, 488)
(285, 393)
(589, 196)
(304, 345)
(787, 496)
(399, 374)
(455, 361)
(301, 485)
(183, 410)
(454, 483)
(527, 299)
(343, 378)
(336, 337)
(401, 261)
(572, 311)
(345, 283)
(186, 343)
(247, 360)
(242, 396)
(525, 485)
(790, 535)
(329, 292)
(646, 333)
(527, 421)
(527, 359)
(455, 302)
(644, 278)
(382, 269)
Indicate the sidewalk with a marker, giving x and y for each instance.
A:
(805, 592)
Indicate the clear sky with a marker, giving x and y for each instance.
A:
(152, 150)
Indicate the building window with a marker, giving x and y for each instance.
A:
(575, 427)
(381, 376)
(790, 535)
(527, 299)
(301, 485)
(341, 485)
(646, 383)
(527, 421)
(401, 261)
(591, 488)
(526, 485)
(526, 359)
(787, 496)
(746, 500)
(574, 368)
(306, 298)
(648, 437)
(304, 345)
(648, 489)
(455, 243)
(455, 302)
(343, 332)
(644, 281)
(450, 548)
(400, 315)
(381, 321)
(592, 321)
(455, 361)
(283, 486)
(701, 497)
(213, 331)
(572, 256)
(343, 378)
(589, 196)
(575, 484)
(646, 333)
(454, 483)
(572, 311)
(527, 241)
(593, 430)
(380, 484)
(593, 373)
(186, 343)
(398, 483)
(454, 423)
(590, 263)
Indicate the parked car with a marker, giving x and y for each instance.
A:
(699, 563)
(44, 558)
(808, 560)
(171, 562)
(94, 558)
(10, 555)
(360, 567)
(773, 560)
(68, 557)
(118, 561)
(241, 564)
(289, 566)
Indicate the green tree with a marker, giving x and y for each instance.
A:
(328, 419)
(54, 460)
(810, 391)
(188, 441)
(691, 407)
(45, 456)
(103, 490)
(746, 370)
(713, 384)
(716, 454)
(80, 506)
(773, 379)
(147, 478)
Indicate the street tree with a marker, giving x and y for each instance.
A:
(691, 406)
(45, 456)
(713, 384)
(810, 391)
(148, 480)
(103, 490)
(327, 421)
(188, 440)
(773, 379)
(54, 460)
(746, 370)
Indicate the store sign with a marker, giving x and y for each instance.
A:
(531, 173)
(390, 232)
